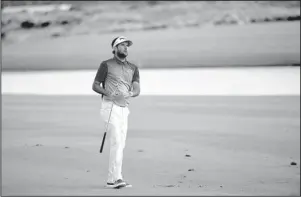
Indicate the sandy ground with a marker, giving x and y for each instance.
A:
(238, 146)
(102, 17)
(248, 45)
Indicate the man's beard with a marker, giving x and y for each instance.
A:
(121, 55)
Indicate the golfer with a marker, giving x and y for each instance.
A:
(117, 80)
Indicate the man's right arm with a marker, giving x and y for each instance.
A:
(100, 78)
(100, 90)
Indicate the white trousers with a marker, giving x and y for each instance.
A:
(117, 130)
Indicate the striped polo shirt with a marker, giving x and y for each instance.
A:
(117, 77)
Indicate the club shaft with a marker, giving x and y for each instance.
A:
(105, 133)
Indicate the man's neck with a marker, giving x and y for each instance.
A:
(120, 59)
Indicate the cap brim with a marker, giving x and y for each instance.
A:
(130, 43)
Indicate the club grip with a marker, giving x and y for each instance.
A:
(103, 142)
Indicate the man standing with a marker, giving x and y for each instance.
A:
(117, 80)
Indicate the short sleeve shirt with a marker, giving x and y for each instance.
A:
(116, 76)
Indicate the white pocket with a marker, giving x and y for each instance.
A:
(105, 110)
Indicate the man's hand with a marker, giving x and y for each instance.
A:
(119, 99)
(128, 94)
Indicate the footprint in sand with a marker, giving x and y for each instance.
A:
(182, 176)
(166, 185)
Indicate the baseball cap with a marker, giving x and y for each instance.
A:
(119, 40)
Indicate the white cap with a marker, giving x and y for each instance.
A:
(121, 39)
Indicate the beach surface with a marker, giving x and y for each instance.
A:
(197, 145)
(273, 44)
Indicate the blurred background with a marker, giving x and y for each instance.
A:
(67, 35)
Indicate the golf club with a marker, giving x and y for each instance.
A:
(105, 134)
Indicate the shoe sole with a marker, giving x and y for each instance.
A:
(120, 185)
(128, 186)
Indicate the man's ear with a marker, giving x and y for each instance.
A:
(115, 48)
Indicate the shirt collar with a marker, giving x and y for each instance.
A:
(120, 62)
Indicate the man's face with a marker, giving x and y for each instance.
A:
(122, 49)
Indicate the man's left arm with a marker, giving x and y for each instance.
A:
(135, 83)
(136, 89)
